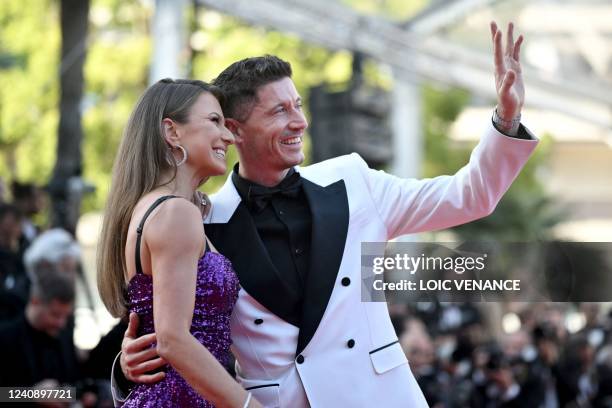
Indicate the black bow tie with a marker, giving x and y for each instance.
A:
(259, 196)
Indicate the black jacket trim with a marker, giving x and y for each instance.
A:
(330, 220)
(239, 241)
(262, 386)
(384, 347)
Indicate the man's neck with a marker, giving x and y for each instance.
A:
(30, 317)
(267, 179)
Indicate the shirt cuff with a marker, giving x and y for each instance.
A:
(522, 132)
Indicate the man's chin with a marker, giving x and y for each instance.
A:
(295, 161)
(52, 333)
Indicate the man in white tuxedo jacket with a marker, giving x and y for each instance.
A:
(301, 334)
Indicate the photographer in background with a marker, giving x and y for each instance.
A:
(32, 347)
(30, 200)
(14, 284)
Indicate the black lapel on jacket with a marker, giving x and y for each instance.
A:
(330, 218)
(239, 241)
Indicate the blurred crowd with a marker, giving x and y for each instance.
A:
(461, 353)
(462, 356)
(39, 272)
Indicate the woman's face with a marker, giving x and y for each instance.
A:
(205, 137)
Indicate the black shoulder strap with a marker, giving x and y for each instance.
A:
(141, 225)
(206, 244)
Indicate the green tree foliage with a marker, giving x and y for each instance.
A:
(440, 109)
(29, 44)
(396, 10)
(116, 74)
(525, 213)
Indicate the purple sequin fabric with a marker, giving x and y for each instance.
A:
(216, 293)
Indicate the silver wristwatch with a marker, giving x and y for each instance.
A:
(506, 126)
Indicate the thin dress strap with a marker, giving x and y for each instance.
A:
(141, 225)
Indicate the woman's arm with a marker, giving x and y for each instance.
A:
(175, 239)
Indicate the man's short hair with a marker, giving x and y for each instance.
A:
(241, 80)
(543, 332)
(23, 191)
(49, 284)
(50, 247)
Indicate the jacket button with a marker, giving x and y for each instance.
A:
(350, 343)
(346, 281)
(300, 359)
(258, 321)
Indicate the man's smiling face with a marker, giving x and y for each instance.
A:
(270, 139)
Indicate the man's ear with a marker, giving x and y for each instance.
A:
(169, 132)
(234, 126)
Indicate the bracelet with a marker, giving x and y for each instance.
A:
(247, 401)
(510, 125)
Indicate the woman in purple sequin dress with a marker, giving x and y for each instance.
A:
(154, 258)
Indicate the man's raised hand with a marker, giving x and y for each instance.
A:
(508, 74)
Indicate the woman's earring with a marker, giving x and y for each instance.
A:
(184, 159)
